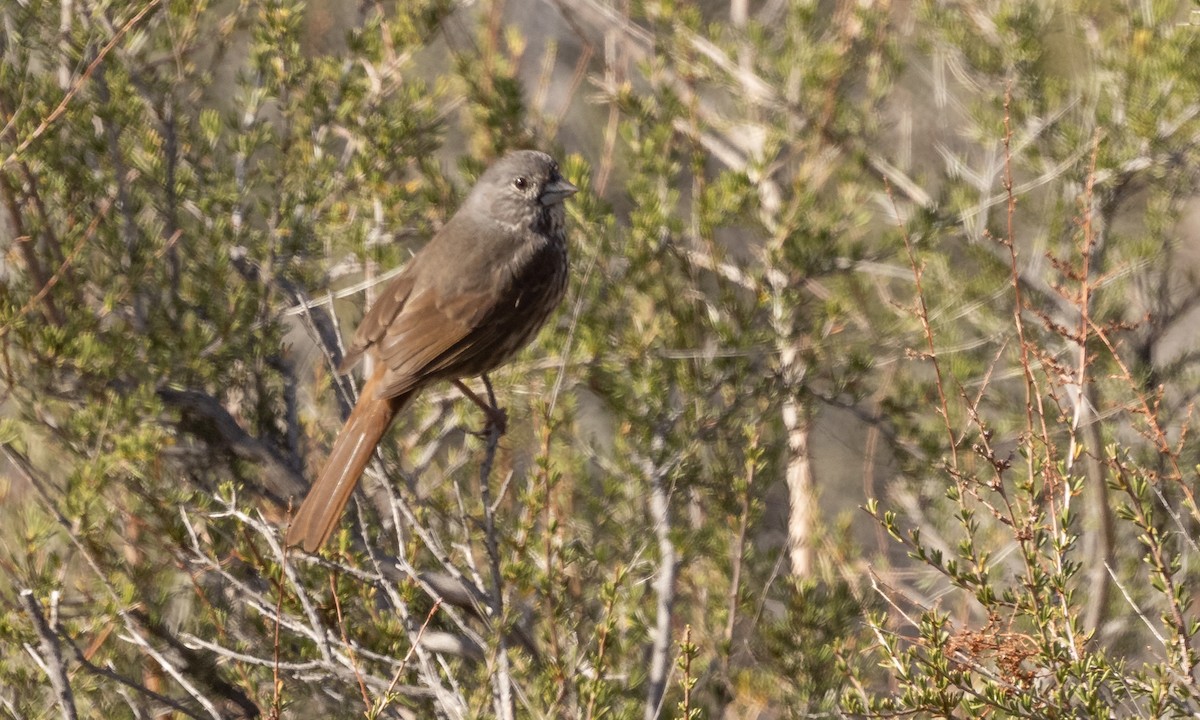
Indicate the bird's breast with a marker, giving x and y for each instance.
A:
(539, 281)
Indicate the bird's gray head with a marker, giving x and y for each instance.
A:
(524, 189)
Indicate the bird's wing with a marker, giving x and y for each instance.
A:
(432, 335)
(376, 321)
(429, 323)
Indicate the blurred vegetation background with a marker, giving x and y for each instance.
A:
(871, 395)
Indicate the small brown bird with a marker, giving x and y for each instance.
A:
(467, 302)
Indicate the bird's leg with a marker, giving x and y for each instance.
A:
(497, 419)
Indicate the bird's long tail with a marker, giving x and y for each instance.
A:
(322, 507)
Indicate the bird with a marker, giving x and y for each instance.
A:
(470, 299)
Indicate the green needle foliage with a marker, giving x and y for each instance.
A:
(933, 260)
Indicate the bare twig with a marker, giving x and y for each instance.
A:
(922, 312)
(276, 686)
(89, 666)
(52, 659)
(664, 587)
(57, 112)
(688, 652)
(503, 679)
(337, 606)
(25, 244)
(63, 268)
(738, 548)
(389, 694)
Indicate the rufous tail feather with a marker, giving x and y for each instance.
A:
(322, 507)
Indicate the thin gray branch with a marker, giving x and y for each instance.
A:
(94, 669)
(504, 699)
(664, 586)
(51, 655)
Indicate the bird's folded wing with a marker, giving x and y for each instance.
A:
(375, 322)
(433, 336)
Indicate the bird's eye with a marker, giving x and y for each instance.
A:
(521, 182)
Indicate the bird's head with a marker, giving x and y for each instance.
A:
(524, 188)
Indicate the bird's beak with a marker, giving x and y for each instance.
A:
(557, 191)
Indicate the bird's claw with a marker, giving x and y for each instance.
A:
(497, 422)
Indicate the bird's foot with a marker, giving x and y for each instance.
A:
(497, 421)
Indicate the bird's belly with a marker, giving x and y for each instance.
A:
(535, 293)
